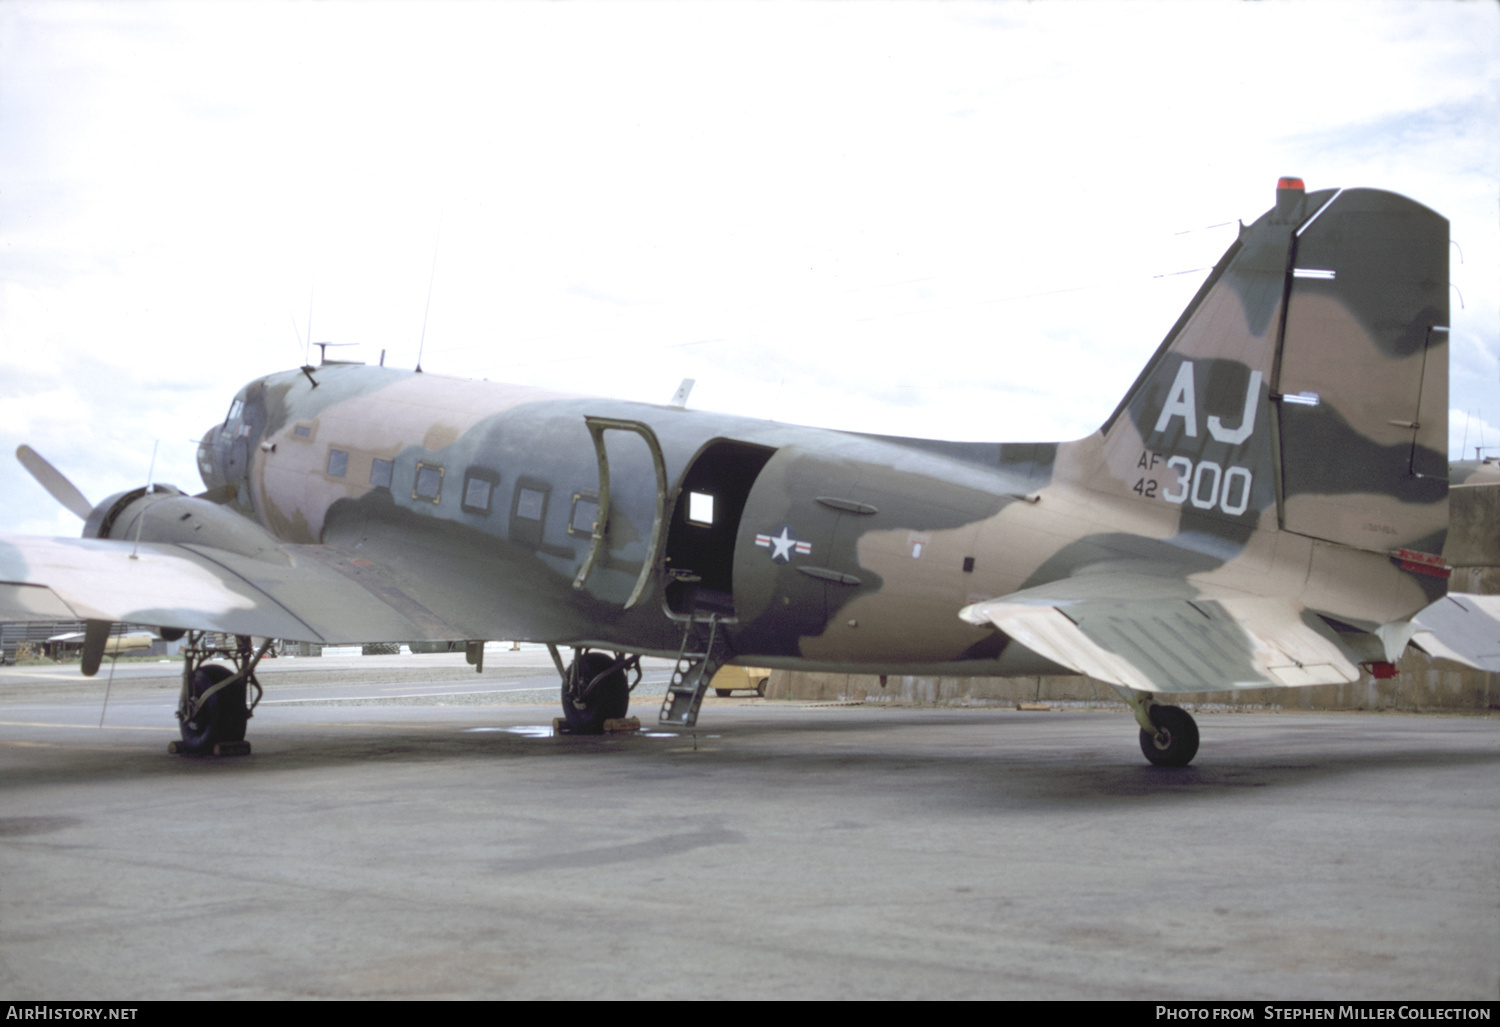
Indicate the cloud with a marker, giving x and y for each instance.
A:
(922, 219)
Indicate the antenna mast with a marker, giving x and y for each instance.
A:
(431, 274)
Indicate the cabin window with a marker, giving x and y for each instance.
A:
(528, 509)
(700, 509)
(585, 513)
(479, 487)
(338, 463)
(380, 472)
(429, 485)
(302, 431)
(530, 504)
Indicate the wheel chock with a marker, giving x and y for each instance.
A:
(221, 749)
(614, 725)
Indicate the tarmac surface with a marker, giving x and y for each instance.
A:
(405, 828)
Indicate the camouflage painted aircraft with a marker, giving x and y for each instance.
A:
(1267, 506)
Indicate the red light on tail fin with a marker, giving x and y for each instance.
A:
(1288, 182)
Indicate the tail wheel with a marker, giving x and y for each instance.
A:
(222, 717)
(1175, 742)
(596, 690)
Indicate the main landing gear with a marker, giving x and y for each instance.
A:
(1169, 735)
(596, 687)
(212, 709)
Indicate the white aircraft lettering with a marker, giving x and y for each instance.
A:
(1182, 402)
(1235, 436)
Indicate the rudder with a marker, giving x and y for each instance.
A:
(1305, 387)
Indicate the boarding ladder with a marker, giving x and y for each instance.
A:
(697, 662)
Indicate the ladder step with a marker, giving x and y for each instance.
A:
(685, 692)
(691, 676)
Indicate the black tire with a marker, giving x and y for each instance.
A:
(609, 699)
(1176, 741)
(223, 717)
(723, 693)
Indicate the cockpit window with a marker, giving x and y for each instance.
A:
(235, 409)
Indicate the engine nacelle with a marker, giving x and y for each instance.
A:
(165, 513)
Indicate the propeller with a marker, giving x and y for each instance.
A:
(51, 479)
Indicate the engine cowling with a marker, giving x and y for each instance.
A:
(164, 513)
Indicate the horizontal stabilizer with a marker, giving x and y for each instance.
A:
(1462, 628)
(1164, 643)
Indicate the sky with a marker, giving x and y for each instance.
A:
(953, 220)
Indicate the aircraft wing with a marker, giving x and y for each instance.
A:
(1156, 634)
(304, 593)
(1464, 628)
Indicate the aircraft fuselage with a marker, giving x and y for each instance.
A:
(816, 548)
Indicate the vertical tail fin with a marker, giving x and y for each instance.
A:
(1306, 385)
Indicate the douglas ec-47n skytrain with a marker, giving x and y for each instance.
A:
(1267, 506)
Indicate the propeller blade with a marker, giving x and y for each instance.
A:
(51, 479)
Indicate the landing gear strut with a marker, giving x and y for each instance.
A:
(596, 687)
(212, 708)
(1169, 735)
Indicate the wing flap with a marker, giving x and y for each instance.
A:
(1173, 644)
(22, 603)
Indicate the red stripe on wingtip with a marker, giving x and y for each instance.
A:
(1287, 182)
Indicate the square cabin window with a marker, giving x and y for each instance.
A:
(585, 512)
(700, 509)
(429, 484)
(477, 492)
(528, 509)
(380, 473)
(530, 504)
(338, 463)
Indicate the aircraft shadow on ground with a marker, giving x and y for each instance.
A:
(1001, 763)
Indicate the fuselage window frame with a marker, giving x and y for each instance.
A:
(382, 472)
(425, 478)
(479, 490)
(586, 504)
(528, 511)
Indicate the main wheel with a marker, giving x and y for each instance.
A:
(608, 698)
(1175, 742)
(222, 718)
